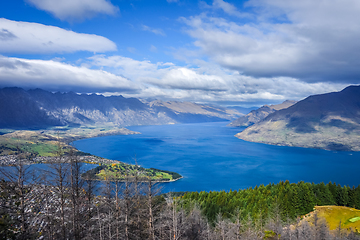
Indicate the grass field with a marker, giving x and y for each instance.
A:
(349, 217)
(10, 146)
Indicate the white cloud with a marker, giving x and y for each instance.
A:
(207, 83)
(247, 92)
(188, 79)
(140, 71)
(228, 8)
(71, 10)
(132, 78)
(156, 31)
(53, 75)
(153, 48)
(308, 40)
(161, 75)
(25, 37)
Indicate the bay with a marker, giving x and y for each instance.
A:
(210, 158)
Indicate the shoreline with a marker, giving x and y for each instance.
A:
(167, 181)
(65, 139)
(297, 146)
(91, 159)
(110, 161)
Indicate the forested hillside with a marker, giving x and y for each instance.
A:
(290, 200)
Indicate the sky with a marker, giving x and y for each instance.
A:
(244, 53)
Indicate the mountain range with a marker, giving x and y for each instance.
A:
(37, 108)
(259, 114)
(328, 121)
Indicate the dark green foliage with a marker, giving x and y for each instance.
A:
(91, 174)
(80, 153)
(323, 195)
(293, 200)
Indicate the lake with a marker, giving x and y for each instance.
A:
(211, 159)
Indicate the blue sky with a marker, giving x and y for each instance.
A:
(226, 52)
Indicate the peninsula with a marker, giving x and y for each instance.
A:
(119, 171)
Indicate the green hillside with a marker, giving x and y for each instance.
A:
(288, 200)
(123, 171)
(349, 218)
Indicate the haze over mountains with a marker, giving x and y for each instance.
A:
(40, 109)
(259, 114)
(328, 121)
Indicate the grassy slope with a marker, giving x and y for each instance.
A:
(334, 214)
(46, 142)
(31, 142)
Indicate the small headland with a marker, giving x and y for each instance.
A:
(119, 171)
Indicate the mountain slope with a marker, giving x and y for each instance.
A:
(18, 110)
(187, 112)
(40, 109)
(257, 115)
(329, 121)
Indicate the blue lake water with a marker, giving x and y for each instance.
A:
(210, 158)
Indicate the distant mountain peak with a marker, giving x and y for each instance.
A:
(259, 114)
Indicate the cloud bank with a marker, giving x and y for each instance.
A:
(25, 37)
(75, 10)
(53, 75)
(133, 78)
(314, 41)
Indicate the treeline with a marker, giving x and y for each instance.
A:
(291, 200)
(58, 204)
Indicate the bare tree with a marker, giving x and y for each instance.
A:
(18, 185)
(150, 208)
(76, 195)
(58, 179)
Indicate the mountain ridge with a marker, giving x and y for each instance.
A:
(38, 108)
(328, 121)
(257, 115)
